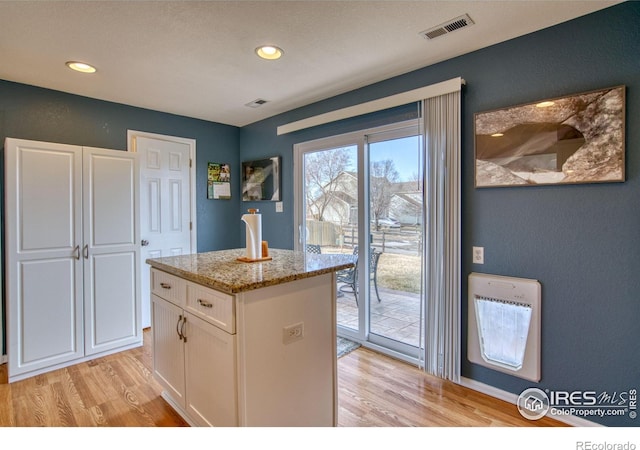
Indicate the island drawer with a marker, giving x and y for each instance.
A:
(168, 287)
(215, 307)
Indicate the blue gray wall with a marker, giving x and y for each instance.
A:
(28, 112)
(582, 242)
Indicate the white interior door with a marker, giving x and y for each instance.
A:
(167, 202)
(111, 252)
(43, 186)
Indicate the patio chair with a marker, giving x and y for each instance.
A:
(373, 269)
(349, 277)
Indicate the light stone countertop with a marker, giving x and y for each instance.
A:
(222, 271)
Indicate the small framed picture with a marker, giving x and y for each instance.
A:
(261, 180)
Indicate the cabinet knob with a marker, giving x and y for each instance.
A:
(144, 243)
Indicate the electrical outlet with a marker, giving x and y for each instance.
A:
(293, 333)
(278, 206)
(478, 255)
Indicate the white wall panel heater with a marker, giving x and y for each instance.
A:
(504, 324)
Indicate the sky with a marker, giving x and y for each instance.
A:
(404, 152)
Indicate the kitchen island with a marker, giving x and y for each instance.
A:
(247, 343)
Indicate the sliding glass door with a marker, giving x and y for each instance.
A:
(329, 216)
(362, 194)
(395, 191)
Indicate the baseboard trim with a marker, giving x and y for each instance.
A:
(513, 399)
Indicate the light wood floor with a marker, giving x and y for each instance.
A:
(119, 391)
(375, 390)
(113, 391)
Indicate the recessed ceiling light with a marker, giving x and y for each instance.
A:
(545, 104)
(269, 52)
(80, 67)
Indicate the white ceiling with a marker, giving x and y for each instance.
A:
(197, 59)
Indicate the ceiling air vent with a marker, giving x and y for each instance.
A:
(447, 27)
(256, 103)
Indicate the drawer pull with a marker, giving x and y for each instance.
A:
(165, 285)
(205, 303)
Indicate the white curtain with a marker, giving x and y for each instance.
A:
(441, 138)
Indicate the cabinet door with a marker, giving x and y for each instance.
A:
(111, 252)
(210, 366)
(43, 229)
(168, 348)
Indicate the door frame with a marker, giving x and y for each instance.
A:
(132, 136)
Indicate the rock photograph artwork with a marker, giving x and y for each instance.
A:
(568, 140)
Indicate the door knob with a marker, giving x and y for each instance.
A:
(144, 243)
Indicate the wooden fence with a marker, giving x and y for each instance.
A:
(393, 240)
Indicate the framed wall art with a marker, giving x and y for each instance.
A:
(579, 138)
(261, 180)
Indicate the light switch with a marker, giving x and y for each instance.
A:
(478, 255)
(278, 206)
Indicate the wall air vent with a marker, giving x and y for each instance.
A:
(447, 27)
(256, 103)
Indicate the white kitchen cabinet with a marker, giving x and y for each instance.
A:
(72, 254)
(168, 348)
(194, 359)
(258, 357)
(210, 369)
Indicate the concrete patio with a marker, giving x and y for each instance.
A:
(396, 316)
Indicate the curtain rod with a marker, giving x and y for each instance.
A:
(415, 95)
